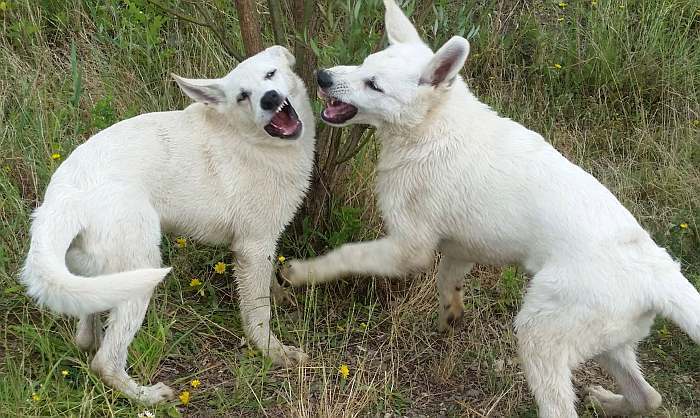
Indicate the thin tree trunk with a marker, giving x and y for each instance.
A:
(277, 22)
(305, 29)
(316, 204)
(249, 21)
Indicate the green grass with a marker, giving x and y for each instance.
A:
(624, 105)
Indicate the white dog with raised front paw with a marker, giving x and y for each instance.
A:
(231, 169)
(455, 177)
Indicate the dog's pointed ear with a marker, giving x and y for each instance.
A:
(201, 90)
(446, 63)
(282, 53)
(398, 28)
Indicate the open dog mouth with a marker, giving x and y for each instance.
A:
(336, 111)
(285, 123)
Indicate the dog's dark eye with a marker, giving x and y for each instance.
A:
(373, 85)
(244, 95)
(270, 74)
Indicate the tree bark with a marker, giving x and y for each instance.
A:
(316, 203)
(277, 22)
(249, 21)
(305, 28)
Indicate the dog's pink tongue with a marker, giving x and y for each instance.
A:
(284, 122)
(337, 110)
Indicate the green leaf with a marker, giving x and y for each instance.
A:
(173, 412)
(12, 289)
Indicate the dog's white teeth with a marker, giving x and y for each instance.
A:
(284, 103)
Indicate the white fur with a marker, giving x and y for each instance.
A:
(455, 177)
(209, 172)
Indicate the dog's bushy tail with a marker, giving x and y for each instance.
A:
(680, 302)
(49, 282)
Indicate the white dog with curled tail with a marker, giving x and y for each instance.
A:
(231, 169)
(455, 177)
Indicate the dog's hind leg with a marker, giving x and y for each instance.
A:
(450, 283)
(89, 334)
(555, 334)
(110, 360)
(637, 396)
(547, 367)
(131, 242)
(566, 320)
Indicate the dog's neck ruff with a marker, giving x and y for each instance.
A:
(415, 131)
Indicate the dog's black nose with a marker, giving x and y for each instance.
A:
(324, 79)
(270, 100)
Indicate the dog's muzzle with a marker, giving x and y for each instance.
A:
(285, 122)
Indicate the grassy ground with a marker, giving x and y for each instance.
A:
(613, 84)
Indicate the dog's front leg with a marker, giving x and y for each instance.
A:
(388, 256)
(255, 267)
(450, 283)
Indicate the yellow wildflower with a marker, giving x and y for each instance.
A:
(563, 4)
(696, 122)
(560, 19)
(557, 66)
(184, 397)
(281, 259)
(594, 3)
(36, 397)
(195, 383)
(3, 6)
(220, 267)
(622, 6)
(683, 225)
(195, 282)
(181, 242)
(55, 156)
(344, 371)
(65, 373)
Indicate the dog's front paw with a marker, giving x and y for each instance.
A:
(450, 315)
(288, 356)
(295, 273)
(282, 296)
